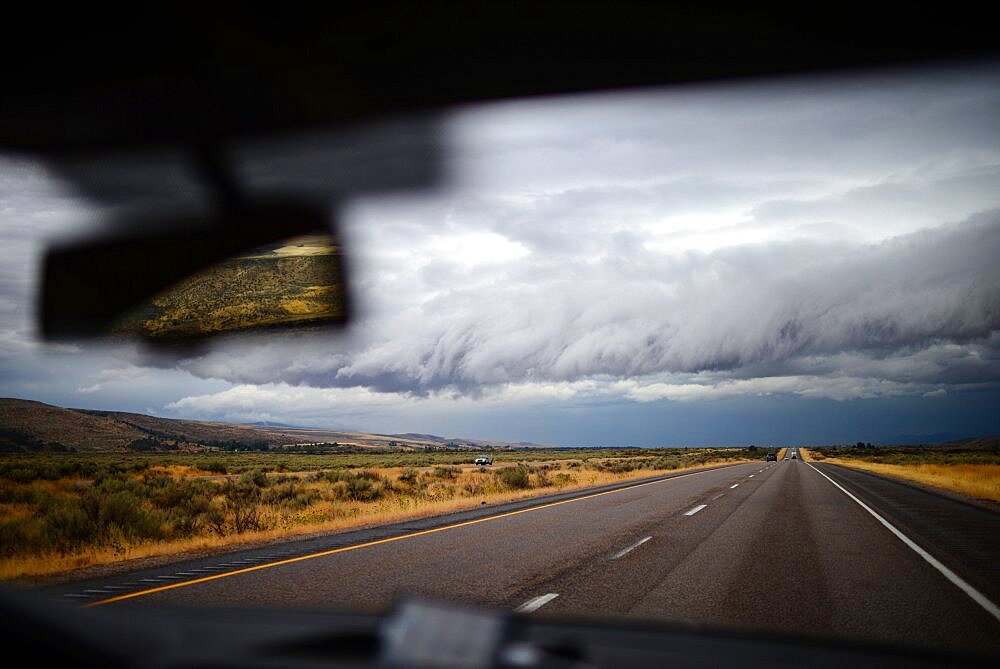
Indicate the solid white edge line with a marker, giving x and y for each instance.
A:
(625, 551)
(536, 603)
(695, 510)
(956, 580)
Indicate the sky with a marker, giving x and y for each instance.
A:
(806, 260)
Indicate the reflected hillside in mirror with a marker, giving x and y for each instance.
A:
(294, 282)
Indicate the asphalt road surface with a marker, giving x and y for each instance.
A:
(789, 545)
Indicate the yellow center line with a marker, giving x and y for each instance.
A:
(344, 549)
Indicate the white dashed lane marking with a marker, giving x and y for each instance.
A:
(625, 551)
(536, 603)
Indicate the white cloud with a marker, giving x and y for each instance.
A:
(129, 374)
(835, 388)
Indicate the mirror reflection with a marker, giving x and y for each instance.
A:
(292, 282)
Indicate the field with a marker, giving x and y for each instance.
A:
(969, 471)
(60, 512)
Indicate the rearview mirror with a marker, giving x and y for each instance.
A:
(185, 279)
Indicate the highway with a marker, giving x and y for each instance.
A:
(790, 545)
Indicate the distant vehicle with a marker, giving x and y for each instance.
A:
(484, 460)
(771, 457)
(793, 456)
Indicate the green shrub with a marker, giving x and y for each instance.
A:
(514, 477)
(363, 486)
(22, 474)
(408, 476)
(215, 466)
(68, 527)
(21, 536)
(242, 502)
(542, 477)
(291, 495)
(563, 479)
(22, 495)
(255, 477)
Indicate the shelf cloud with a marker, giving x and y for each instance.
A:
(832, 238)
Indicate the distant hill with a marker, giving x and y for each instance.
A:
(932, 438)
(26, 426)
(24, 423)
(947, 441)
(990, 443)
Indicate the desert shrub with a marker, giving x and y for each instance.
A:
(619, 466)
(68, 527)
(242, 503)
(439, 490)
(187, 519)
(182, 504)
(363, 486)
(542, 478)
(21, 474)
(117, 512)
(364, 490)
(255, 477)
(335, 475)
(563, 479)
(408, 476)
(474, 487)
(291, 494)
(11, 494)
(663, 463)
(448, 473)
(214, 466)
(514, 477)
(215, 517)
(19, 535)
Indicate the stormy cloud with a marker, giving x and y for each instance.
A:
(823, 239)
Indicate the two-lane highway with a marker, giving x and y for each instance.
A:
(764, 545)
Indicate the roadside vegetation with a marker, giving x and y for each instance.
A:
(969, 471)
(64, 511)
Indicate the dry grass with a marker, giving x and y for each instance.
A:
(976, 480)
(781, 453)
(458, 490)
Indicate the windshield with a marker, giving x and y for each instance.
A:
(731, 352)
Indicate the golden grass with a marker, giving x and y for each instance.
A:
(976, 480)
(328, 516)
(781, 453)
(806, 454)
(175, 471)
